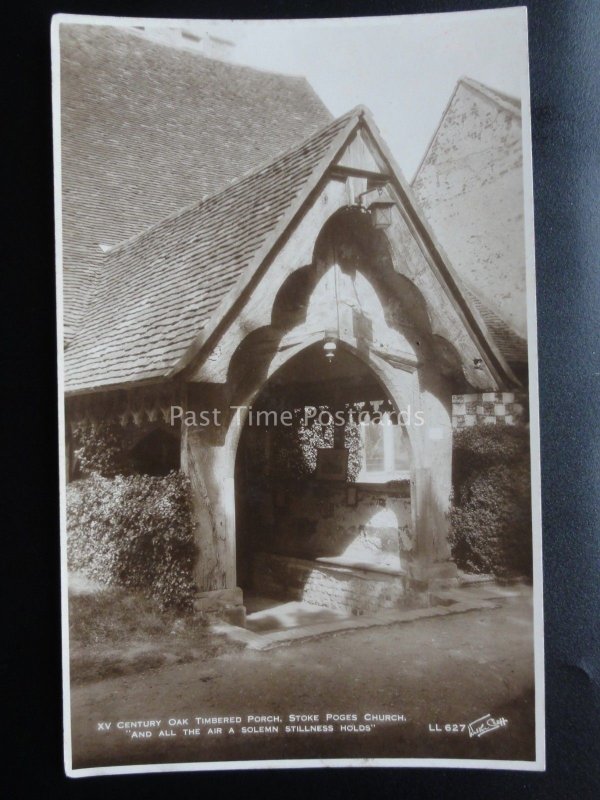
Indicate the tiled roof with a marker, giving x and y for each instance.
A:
(148, 129)
(158, 290)
(510, 344)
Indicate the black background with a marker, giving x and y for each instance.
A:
(565, 74)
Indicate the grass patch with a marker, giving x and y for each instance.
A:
(114, 632)
(114, 616)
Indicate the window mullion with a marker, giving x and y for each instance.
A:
(388, 444)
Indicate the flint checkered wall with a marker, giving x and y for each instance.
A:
(489, 408)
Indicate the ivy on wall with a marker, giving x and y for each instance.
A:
(295, 447)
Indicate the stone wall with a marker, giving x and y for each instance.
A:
(470, 187)
(352, 590)
(354, 524)
(489, 408)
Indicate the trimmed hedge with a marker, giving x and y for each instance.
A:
(491, 514)
(136, 532)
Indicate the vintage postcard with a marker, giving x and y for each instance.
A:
(298, 393)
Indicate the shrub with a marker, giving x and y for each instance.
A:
(135, 532)
(491, 515)
(100, 448)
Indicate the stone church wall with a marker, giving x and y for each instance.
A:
(358, 523)
(470, 187)
(342, 546)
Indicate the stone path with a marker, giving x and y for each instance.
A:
(272, 623)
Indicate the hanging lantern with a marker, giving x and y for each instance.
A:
(381, 215)
(379, 204)
(329, 347)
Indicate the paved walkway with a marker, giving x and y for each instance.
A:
(273, 623)
(265, 615)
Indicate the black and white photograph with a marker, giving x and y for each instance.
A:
(298, 393)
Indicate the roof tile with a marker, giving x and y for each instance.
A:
(512, 346)
(158, 289)
(148, 129)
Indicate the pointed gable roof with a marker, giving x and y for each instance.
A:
(165, 292)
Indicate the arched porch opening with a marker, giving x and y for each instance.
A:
(377, 536)
(323, 484)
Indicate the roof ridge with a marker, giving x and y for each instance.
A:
(502, 99)
(292, 149)
(133, 31)
(164, 144)
(254, 171)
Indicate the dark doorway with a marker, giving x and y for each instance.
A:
(157, 453)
